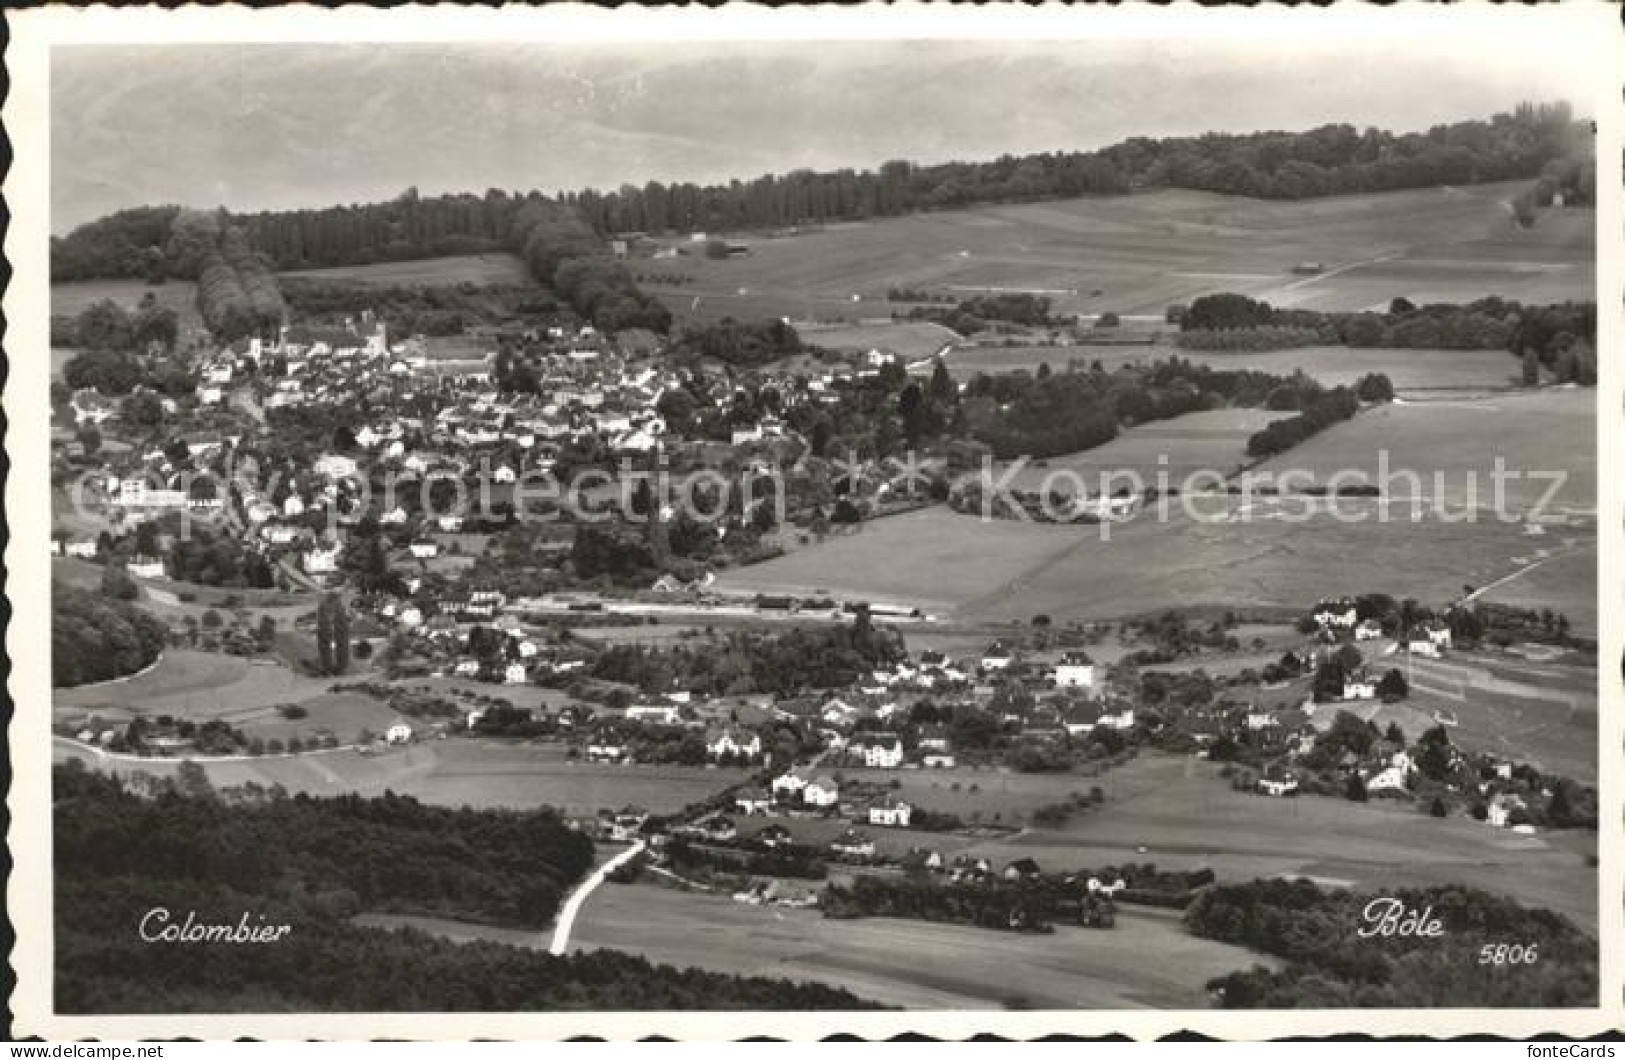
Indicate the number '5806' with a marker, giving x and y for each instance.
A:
(1502, 953)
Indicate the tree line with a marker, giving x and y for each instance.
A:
(313, 864)
(1329, 966)
(95, 637)
(1328, 160)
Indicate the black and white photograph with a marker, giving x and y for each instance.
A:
(1080, 518)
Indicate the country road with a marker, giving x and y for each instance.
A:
(572, 905)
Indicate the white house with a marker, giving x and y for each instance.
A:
(322, 560)
(789, 785)
(424, 549)
(515, 674)
(145, 567)
(1359, 686)
(1075, 671)
(1390, 779)
(880, 753)
(410, 617)
(822, 792)
(733, 742)
(891, 813)
(658, 714)
(1501, 808)
(997, 657)
(1370, 629)
(466, 668)
(938, 760)
(81, 549)
(1278, 786)
(1423, 646)
(1439, 635)
(1335, 614)
(1119, 717)
(400, 732)
(335, 466)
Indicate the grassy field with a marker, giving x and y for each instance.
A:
(193, 684)
(1415, 373)
(433, 272)
(1453, 447)
(1001, 797)
(933, 557)
(1138, 254)
(1178, 813)
(1148, 960)
(910, 340)
(1566, 583)
(1178, 448)
(71, 299)
(458, 772)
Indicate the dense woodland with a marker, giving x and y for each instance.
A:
(1562, 336)
(1330, 967)
(744, 663)
(95, 637)
(313, 864)
(1533, 141)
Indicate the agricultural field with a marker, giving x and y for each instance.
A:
(1453, 446)
(1138, 254)
(1415, 374)
(455, 772)
(933, 558)
(1217, 552)
(1147, 960)
(1178, 812)
(431, 272)
(1565, 582)
(910, 340)
(1199, 444)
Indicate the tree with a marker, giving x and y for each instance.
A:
(1531, 366)
(1393, 687)
(117, 583)
(89, 437)
(212, 619)
(324, 633)
(1354, 789)
(341, 635)
(1438, 808)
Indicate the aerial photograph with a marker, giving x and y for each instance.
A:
(910, 524)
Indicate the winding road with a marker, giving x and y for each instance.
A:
(578, 897)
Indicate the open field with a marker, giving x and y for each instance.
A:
(1147, 960)
(910, 340)
(72, 298)
(1414, 373)
(1453, 447)
(193, 684)
(1566, 583)
(432, 272)
(1002, 797)
(1209, 442)
(457, 772)
(1143, 252)
(1219, 553)
(1178, 813)
(934, 557)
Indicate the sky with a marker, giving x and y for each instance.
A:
(273, 126)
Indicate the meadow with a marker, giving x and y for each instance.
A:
(455, 772)
(1148, 960)
(480, 269)
(1453, 448)
(74, 297)
(933, 558)
(911, 340)
(1178, 812)
(1138, 254)
(1209, 443)
(1414, 373)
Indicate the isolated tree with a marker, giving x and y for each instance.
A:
(1531, 366)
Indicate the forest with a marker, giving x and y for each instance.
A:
(97, 638)
(313, 864)
(1561, 336)
(1331, 966)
